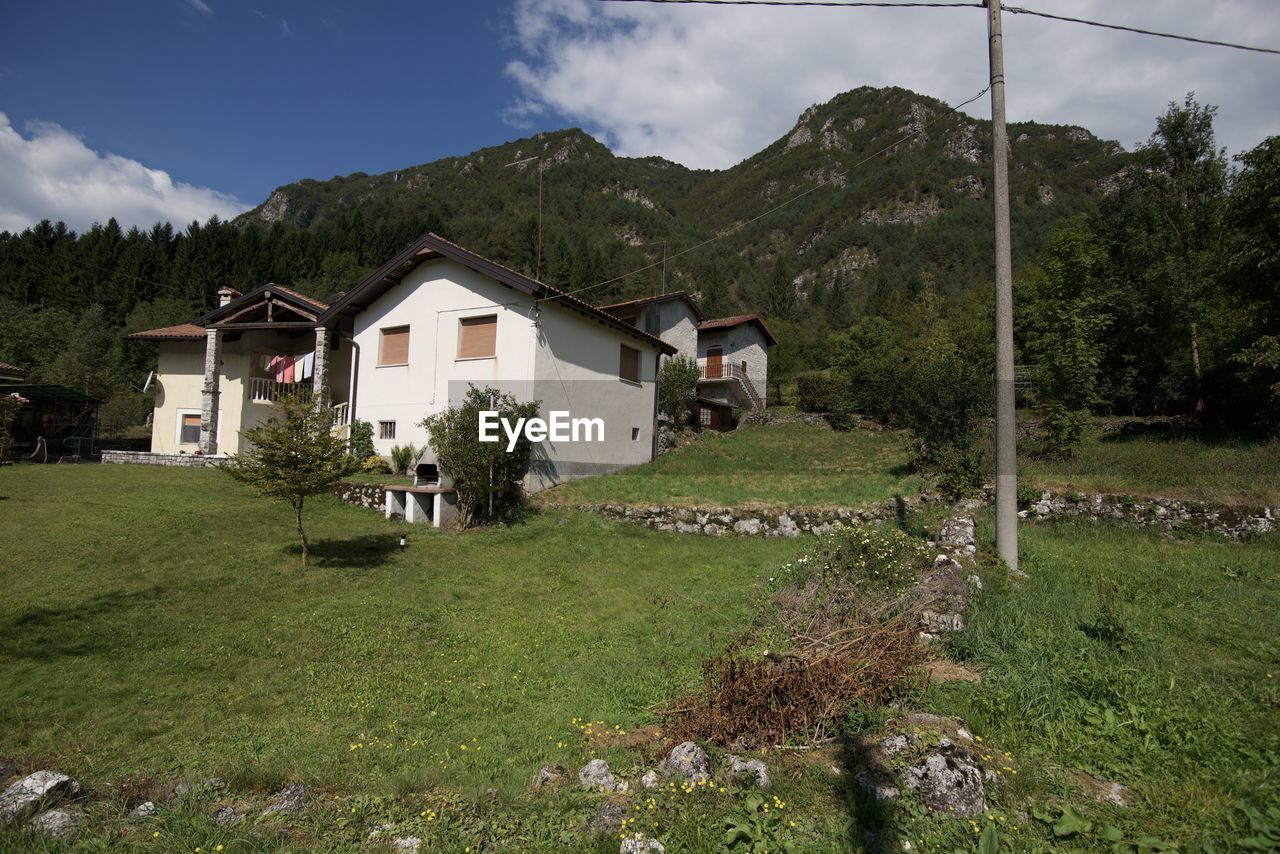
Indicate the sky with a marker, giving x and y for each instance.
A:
(181, 109)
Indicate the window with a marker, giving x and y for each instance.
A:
(386, 429)
(395, 346)
(478, 337)
(189, 433)
(704, 416)
(635, 433)
(629, 364)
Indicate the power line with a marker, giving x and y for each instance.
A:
(884, 4)
(740, 226)
(1013, 10)
(1017, 10)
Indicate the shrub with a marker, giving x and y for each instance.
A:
(484, 474)
(815, 392)
(943, 400)
(403, 458)
(678, 389)
(362, 440)
(374, 464)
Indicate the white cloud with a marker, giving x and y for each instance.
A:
(200, 6)
(708, 86)
(51, 174)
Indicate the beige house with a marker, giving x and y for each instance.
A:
(732, 352)
(404, 344)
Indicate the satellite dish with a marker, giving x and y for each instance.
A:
(150, 376)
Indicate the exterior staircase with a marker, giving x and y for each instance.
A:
(735, 376)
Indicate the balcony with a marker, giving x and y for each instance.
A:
(267, 390)
(729, 372)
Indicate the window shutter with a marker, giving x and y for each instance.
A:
(629, 364)
(478, 337)
(395, 346)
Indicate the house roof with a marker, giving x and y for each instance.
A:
(722, 323)
(615, 308)
(431, 246)
(181, 332)
(8, 370)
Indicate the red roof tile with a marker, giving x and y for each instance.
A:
(170, 333)
(737, 320)
(12, 370)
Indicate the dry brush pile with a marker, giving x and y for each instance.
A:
(845, 620)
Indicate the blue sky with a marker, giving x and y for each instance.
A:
(177, 109)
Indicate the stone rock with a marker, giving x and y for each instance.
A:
(747, 527)
(549, 775)
(607, 819)
(650, 780)
(55, 823)
(638, 843)
(410, 844)
(377, 830)
(289, 800)
(224, 815)
(1102, 791)
(936, 624)
(597, 776)
(948, 783)
(22, 798)
(688, 761)
(895, 744)
(877, 788)
(199, 788)
(146, 810)
(748, 769)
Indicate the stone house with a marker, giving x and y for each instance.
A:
(732, 353)
(404, 344)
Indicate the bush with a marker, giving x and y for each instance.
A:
(678, 389)
(374, 464)
(484, 474)
(944, 398)
(362, 440)
(815, 392)
(403, 457)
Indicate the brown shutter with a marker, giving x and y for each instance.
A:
(629, 364)
(395, 346)
(478, 337)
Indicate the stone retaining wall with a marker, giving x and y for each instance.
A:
(720, 521)
(1166, 513)
(146, 458)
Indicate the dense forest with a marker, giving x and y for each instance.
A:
(864, 231)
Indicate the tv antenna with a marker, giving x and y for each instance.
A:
(537, 262)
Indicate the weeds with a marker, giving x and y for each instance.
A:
(1109, 624)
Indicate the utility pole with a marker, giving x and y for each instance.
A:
(1006, 424)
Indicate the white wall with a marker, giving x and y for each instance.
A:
(679, 327)
(430, 301)
(743, 343)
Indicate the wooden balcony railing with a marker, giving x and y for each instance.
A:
(710, 371)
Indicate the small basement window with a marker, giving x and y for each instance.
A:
(190, 431)
(478, 337)
(386, 429)
(704, 416)
(394, 349)
(629, 364)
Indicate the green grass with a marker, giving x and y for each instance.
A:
(1183, 713)
(1173, 463)
(778, 465)
(157, 623)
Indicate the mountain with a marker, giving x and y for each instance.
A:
(878, 212)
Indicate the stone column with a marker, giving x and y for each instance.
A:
(320, 374)
(210, 396)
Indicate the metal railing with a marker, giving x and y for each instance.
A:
(722, 370)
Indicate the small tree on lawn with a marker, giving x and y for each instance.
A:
(484, 474)
(294, 455)
(9, 406)
(678, 389)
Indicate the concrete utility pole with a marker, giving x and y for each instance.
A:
(1006, 424)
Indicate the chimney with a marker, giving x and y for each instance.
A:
(226, 294)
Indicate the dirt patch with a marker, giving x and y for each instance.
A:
(941, 670)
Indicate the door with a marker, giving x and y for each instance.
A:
(715, 363)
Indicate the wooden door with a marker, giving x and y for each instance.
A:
(715, 363)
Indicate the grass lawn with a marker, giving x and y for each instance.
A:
(779, 465)
(1183, 713)
(1165, 462)
(156, 622)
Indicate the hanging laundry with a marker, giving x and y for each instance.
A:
(308, 365)
(288, 370)
(276, 368)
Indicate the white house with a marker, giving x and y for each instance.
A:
(404, 344)
(732, 352)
